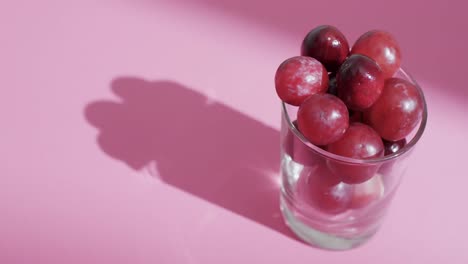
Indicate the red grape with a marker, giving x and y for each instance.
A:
(327, 193)
(322, 119)
(328, 45)
(398, 110)
(360, 142)
(299, 77)
(360, 82)
(381, 47)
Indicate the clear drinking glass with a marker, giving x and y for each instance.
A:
(328, 213)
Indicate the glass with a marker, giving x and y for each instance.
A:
(325, 212)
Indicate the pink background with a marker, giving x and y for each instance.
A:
(147, 131)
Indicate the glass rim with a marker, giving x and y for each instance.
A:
(405, 149)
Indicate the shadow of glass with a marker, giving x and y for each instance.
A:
(199, 146)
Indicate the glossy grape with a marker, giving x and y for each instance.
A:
(300, 77)
(327, 193)
(323, 119)
(328, 45)
(359, 82)
(360, 142)
(382, 47)
(398, 110)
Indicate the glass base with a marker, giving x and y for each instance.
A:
(318, 238)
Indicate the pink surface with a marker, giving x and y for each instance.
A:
(147, 131)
